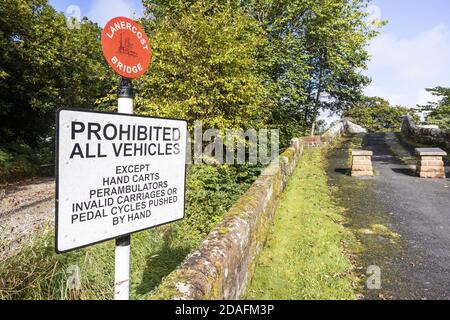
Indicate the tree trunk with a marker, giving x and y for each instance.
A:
(317, 101)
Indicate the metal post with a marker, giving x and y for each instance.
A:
(122, 274)
(122, 260)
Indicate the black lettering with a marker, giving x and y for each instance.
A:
(176, 148)
(105, 132)
(77, 151)
(117, 149)
(94, 128)
(176, 135)
(80, 129)
(166, 134)
(142, 133)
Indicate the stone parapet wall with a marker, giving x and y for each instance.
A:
(426, 135)
(341, 127)
(224, 263)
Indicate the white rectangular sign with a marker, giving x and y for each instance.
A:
(116, 174)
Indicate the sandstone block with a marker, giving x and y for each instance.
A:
(430, 152)
(362, 173)
(440, 169)
(357, 152)
(431, 163)
(430, 158)
(432, 175)
(362, 168)
(362, 162)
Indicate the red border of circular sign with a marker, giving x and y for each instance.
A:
(126, 47)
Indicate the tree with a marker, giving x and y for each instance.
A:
(255, 62)
(376, 114)
(204, 64)
(315, 56)
(336, 44)
(438, 113)
(45, 65)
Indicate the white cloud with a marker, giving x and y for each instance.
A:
(424, 97)
(101, 11)
(391, 94)
(401, 68)
(374, 12)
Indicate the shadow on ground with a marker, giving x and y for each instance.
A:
(159, 265)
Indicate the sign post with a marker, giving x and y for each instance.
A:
(127, 50)
(118, 173)
(122, 254)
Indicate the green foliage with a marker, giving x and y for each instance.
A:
(376, 114)
(19, 160)
(210, 192)
(438, 113)
(255, 62)
(314, 57)
(45, 65)
(204, 65)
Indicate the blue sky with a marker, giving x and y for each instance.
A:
(411, 53)
(101, 10)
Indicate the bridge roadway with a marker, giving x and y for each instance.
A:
(417, 209)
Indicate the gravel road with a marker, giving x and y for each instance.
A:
(26, 209)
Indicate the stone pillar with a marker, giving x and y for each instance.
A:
(430, 163)
(362, 163)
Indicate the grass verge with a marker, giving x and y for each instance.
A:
(304, 257)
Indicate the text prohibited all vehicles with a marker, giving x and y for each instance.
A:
(116, 174)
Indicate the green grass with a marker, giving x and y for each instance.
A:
(304, 257)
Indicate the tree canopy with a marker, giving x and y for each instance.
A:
(45, 65)
(236, 63)
(438, 113)
(376, 114)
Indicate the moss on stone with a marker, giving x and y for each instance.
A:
(167, 290)
(223, 230)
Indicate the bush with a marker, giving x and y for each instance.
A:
(16, 161)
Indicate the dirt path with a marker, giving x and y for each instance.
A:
(416, 265)
(25, 208)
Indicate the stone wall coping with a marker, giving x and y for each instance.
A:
(358, 152)
(430, 152)
(426, 135)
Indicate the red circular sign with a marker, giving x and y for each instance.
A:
(126, 47)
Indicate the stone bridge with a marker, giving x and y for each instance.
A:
(415, 209)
